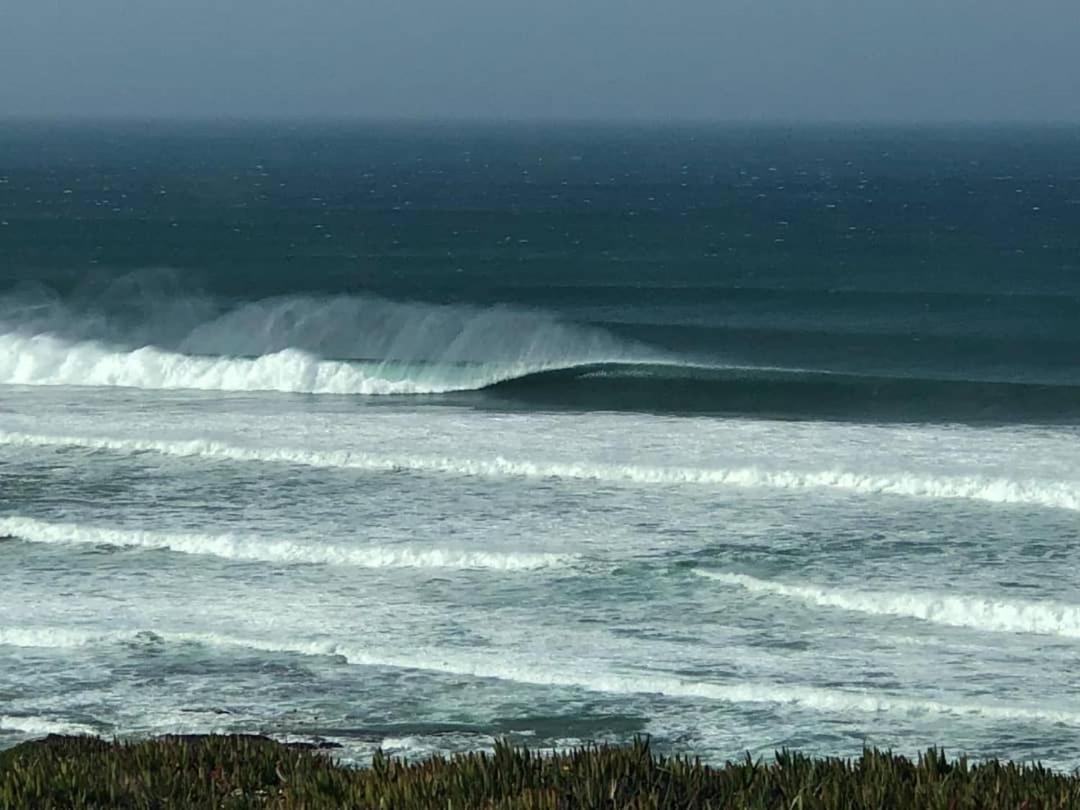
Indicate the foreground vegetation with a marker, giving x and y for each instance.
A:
(255, 772)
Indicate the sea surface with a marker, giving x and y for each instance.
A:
(416, 437)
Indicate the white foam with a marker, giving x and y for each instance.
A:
(240, 547)
(41, 726)
(47, 360)
(501, 667)
(504, 667)
(1053, 494)
(978, 613)
(46, 637)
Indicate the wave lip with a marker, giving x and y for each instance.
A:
(970, 612)
(1049, 494)
(253, 549)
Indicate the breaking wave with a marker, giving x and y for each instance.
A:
(143, 332)
(48, 360)
(974, 612)
(255, 549)
(332, 345)
(1051, 494)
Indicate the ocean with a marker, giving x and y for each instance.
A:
(415, 437)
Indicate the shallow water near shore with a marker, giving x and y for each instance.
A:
(597, 472)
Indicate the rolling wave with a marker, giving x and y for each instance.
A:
(976, 613)
(46, 360)
(165, 339)
(529, 672)
(1050, 494)
(254, 549)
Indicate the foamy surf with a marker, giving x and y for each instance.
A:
(48, 637)
(1051, 494)
(504, 668)
(49, 361)
(165, 340)
(256, 549)
(508, 668)
(973, 612)
(33, 726)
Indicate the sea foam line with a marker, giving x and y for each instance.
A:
(1052, 494)
(503, 668)
(39, 726)
(977, 613)
(254, 549)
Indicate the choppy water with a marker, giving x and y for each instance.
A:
(415, 438)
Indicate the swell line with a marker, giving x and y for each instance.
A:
(255, 549)
(972, 612)
(1051, 494)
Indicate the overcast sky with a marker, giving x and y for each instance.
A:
(908, 60)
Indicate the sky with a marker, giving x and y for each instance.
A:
(728, 60)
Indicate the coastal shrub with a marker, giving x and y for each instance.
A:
(240, 771)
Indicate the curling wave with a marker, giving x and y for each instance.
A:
(254, 549)
(336, 345)
(1050, 494)
(47, 360)
(973, 612)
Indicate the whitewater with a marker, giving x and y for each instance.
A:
(314, 534)
(415, 443)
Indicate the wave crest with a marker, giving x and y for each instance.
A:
(973, 612)
(335, 345)
(254, 549)
(1049, 494)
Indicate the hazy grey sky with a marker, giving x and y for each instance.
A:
(641, 59)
